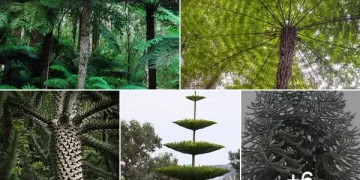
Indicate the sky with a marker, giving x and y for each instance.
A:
(352, 104)
(162, 107)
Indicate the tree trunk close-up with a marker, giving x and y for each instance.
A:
(67, 153)
(287, 48)
(84, 43)
(150, 34)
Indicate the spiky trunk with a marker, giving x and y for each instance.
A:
(150, 34)
(84, 43)
(66, 153)
(287, 48)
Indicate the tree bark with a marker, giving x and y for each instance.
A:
(150, 34)
(66, 153)
(95, 33)
(287, 49)
(45, 58)
(74, 27)
(84, 43)
(35, 37)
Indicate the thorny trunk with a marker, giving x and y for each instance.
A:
(150, 34)
(287, 48)
(66, 153)
(84, 43)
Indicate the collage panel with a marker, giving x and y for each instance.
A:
(168, 135)
(270, 44)
(300, 135)
(89, 44)
(59, 135)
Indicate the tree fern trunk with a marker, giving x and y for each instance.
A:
(287, 48)
(74, 27)
(35, 38)
(150, 34)
(66, 153)
(84, 43)
(45, 59)
(95, 34)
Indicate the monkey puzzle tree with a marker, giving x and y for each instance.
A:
(70, 120)
(194, 148)
(289, 133)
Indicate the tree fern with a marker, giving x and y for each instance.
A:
(241, 41)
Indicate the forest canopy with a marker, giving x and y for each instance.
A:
(89, 44)
(260, 44)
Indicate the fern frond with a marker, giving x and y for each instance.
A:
(57, 83)
(164, 52)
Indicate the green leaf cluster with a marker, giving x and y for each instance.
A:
(194, 124)
(194, 148)
(192, 173)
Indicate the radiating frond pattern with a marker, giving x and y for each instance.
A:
(236, 44)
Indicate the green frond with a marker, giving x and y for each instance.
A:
(194, 124)
(51, 3)
(164, 52)
(239, 42)
(97, 83)
(103, 147)
(3, 20)
(194, 148)
(109, 37)
(132, 87)
(57, 83)
(192, 173)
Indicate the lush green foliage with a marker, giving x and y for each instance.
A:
(293, 132)
(118, 51)
(236, 44)
(192, 173)
(137, 142)
(194, 148)
(194, 124)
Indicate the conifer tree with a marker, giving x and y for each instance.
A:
(289, 133)
(194, 148)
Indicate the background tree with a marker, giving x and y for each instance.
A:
(292, 132)
(273, 44)
(234, 158)
(194, 148)
(137, 142)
